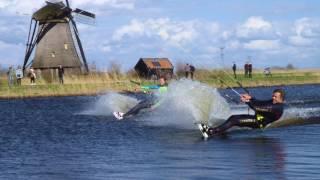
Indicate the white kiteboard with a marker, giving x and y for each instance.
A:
(204, 130)
(118, 115)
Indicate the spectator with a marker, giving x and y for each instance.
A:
(234, 69)
(267, 71)
(246, 67)
(19, 75)
(250, 70)
(32, 76)
(187, 70)
(10, 75)
(61, 74)
(192, 70)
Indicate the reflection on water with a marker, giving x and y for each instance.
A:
(264, 155)
(63, 138)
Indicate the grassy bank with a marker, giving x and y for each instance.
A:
(74, 85)
(98, 83)
(279, 77)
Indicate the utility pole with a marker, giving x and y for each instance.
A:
(249, 59)
(222, 55)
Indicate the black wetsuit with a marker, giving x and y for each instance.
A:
(147, 103)
(265, 113)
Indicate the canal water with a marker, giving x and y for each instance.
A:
(77, 137)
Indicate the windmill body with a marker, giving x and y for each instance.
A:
(54, 40)
(57, 48)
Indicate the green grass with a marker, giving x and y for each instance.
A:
(101, 82)
(259, 79)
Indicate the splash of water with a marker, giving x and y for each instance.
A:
(111, 102)
(294, 112)
(188, 102)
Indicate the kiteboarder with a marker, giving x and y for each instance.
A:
(266, 112)
(151, 102)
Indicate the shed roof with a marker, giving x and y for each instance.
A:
(153, 63)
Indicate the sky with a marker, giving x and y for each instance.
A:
(266, 33)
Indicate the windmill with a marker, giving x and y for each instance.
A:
(54, 36)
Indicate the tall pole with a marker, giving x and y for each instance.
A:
(68, 5)
(222, 55)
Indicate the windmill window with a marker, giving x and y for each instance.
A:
(53, 54)
(66, 46)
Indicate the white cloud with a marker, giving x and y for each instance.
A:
(300, 41)
(306, 33)
(263, 45)
(21, 7)
(133, 29)
(117, 4)
(175, 33)
(4, 3)
(255, 28)
(307, 27)
(257, 23)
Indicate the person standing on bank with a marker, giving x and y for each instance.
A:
(250, 70)
(246, 70)
(61, 74)
(192, 70)
(19, 75)
(234, 69)
(32, 76)
(10, 75)
(187, 70)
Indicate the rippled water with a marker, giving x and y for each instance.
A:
(77, 138)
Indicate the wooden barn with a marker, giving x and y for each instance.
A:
(154, 67)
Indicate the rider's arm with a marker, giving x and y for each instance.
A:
(262, 106)
(149, 88)
(257, 105)
(157, 104)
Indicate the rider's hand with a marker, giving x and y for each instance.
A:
(245, 97)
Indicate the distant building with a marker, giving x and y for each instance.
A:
(154, 67)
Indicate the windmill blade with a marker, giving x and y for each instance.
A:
(35, 40)
(74, 25)
(84, 17)
(29, 47)
(84, 13)
(67, 2)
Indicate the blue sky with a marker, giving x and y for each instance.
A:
(271, 33)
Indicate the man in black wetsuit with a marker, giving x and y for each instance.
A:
(266, 112)
(152, 102)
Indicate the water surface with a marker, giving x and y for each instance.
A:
(73, 138)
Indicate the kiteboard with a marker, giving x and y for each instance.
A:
(118, 115)
(204, 130)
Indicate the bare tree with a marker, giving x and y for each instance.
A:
(114, 69)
